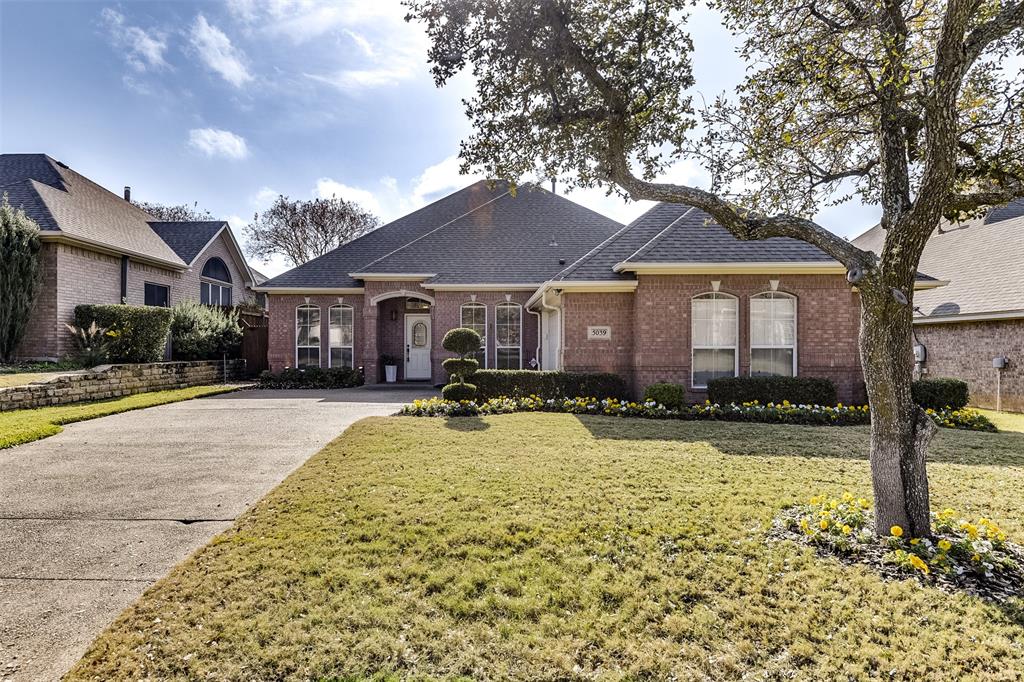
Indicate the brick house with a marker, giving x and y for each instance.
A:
(100, 248)
(550, 284)
(979, 315)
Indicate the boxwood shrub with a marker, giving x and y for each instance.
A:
(514, 383)
(672, 396)
(940, 393)
(136, 333)
(772, 389)
(312, 377)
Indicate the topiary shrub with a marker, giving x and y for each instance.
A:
(20, 275)
(521, 383)
(137, 333)
(672, 396)
(772, 389)
(940, 393)
(463, 342)
(203, 332)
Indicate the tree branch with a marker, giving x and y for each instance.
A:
(1001, 25)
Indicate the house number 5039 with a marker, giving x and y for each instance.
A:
(599, 333)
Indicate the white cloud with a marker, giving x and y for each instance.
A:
(354, 81)
(217, 52)
(327, 187)
(143, 50)
(441, 177)
(264, 198)
(685, 172)
(216, 142)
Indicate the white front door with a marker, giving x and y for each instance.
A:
(417, 346)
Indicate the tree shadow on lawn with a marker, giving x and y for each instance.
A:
(951, 446)
(466, 424)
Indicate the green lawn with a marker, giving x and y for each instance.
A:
(544, 546)
(23, 426)
(1005, 421)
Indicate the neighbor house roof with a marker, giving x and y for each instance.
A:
(480, 234)
(981, 260)
(67, 204)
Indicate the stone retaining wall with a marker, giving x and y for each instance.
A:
(114, 381)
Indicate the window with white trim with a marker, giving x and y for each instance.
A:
(215, 285)
(307, 336)
(474, 316)
(714, 334)
(340, 336)
(508, 336)
(773, 334)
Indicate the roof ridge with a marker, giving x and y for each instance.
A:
(656, 238)
(572, 267)
(436, 229)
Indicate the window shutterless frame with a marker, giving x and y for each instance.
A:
(508, 336)
(773, 334)
(341, 336)
(714, 334)
(474, 316)
(158, 295)
(307, 336)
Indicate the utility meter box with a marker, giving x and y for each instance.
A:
(999, 362)
(920, 352)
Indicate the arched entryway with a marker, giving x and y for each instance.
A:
(405, 335)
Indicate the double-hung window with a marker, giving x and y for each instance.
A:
(508, 336)
(340, 334)
(474, 316)
(714, 334)
(307, 336)
(773, 334)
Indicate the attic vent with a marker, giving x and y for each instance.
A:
(561, 261)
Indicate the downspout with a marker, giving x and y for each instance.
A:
(544, 304)
(124, 273)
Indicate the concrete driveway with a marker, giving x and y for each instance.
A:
(91, 517)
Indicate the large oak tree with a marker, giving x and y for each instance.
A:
(912, 104)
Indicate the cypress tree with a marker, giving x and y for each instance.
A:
(20, 275)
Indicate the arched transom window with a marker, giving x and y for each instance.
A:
(307, 336)
(773, 334)
(474, 316)
(508, 336)
(714, 334)
(340, 336)
(215, 283)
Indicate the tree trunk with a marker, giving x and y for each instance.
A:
(900, 430)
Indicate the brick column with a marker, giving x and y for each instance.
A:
(370, 353)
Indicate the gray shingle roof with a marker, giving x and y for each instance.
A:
(58, 198)
(678, 233)
(1014, 209)
(983, 262)
(479, 234)
(188, 238)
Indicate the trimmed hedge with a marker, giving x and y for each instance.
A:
(136, 333)
(312, 377)
(672, 396)
(458, 392)
(940, 393)
(772, 389)
(520, 383)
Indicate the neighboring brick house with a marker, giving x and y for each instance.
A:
(979, 315)
(553, 285)
(100, 248)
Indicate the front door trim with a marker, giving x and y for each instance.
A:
(410, 320)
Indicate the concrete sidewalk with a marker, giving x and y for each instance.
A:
(91, 517)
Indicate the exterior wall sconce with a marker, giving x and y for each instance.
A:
(394, 314)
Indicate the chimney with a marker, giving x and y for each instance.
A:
(127, 193)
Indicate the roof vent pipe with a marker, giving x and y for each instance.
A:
(127, 193)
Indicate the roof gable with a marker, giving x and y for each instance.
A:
(188, 239)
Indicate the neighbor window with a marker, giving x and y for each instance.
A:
(773, 334)
(340, 333)
(474, 316)
(508, 332)
(157, 295)
(713, 340)
(215, 286)
(307, 336)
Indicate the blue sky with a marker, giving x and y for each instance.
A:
(230, 103)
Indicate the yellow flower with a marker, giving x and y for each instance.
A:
(847, 497)
(918, 563)
(975, 557)
(864, 504)
(805, 527)
(944, 545)
(847, 530)
(915, 541)
(785, 403)
(896, 532)
(824, 524)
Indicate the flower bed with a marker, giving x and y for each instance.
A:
(962, 555)
(784, 413)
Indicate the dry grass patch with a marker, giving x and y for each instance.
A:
(546, 546)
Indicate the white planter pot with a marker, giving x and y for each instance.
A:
(391, 373)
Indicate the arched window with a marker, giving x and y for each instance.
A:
(307, 336)
(508, 336)
(773, 334)
(340, 336)
(474, 316)
(714, 333)
(215, 285)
